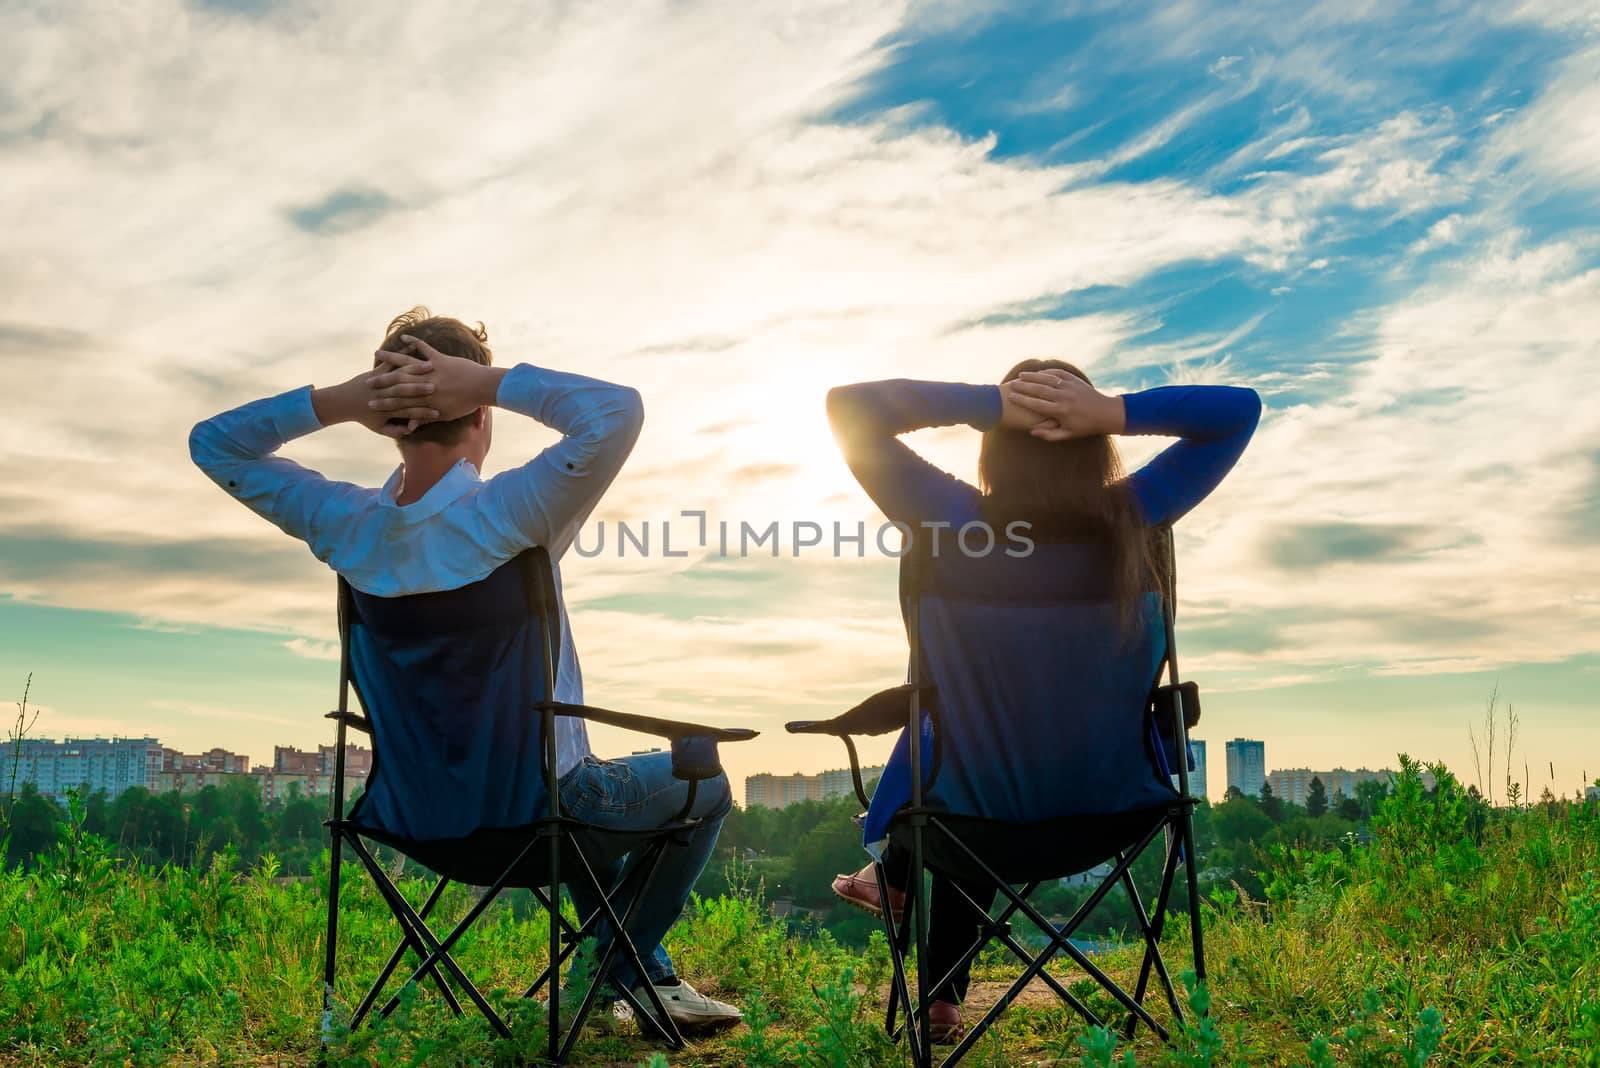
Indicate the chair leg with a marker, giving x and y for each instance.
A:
(1035, 967)
(992, 927)
(1059, 940)
(900, 993)
(331, 960)
(431, 959)
(622, 942)
(998, 929)
(407, 941)
(573, 936)
(553, 1035)
(441, 950)
(1021, 953)
(1182, 841)
(438, 953)
(917, 909)
(1152, 931)
(1192, 876)
(409, 938)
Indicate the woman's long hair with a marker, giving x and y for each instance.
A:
(1069, 490)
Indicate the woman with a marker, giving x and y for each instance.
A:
(1047, 459)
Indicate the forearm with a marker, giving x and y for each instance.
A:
(344, 403)
(868, 417)
(546, 499)
(1200, 413)
(488, 385)
(235, 450)
(583, 409)
(253, 431)
(1215, 423)
(898, 406)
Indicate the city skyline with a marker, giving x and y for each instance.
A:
(765, 787)
(1381, 220)
(176, 769)
(114, 765)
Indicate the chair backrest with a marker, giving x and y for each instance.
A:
(1042, 684)
(448, 682)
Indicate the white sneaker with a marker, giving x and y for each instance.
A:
(691, 1010)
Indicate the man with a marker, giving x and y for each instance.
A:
(437, 525)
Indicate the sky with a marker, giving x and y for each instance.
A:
(1382, 217)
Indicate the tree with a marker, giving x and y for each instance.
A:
(1316, 797)
(299, 822)
(1238, 825)
(821, 853)
(30, 825)
(1371, 795)
(1270, 804)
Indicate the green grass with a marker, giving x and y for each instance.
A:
(1459, 936)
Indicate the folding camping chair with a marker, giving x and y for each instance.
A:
(1047, 748)
(457, 693)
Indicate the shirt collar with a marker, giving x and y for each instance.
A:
(456, 483)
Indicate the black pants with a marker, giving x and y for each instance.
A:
(953, 924)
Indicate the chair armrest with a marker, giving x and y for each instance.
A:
(671, 729)
(352, 720)
(881, 713)
(1163, 700)
(694, 746)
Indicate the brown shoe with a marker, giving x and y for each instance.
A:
(944, 1022)
(861, 890)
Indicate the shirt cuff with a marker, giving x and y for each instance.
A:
(1140, 415)
(982, 407)
(519, 389)
(293, 414)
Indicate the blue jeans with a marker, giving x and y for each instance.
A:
(639, 793)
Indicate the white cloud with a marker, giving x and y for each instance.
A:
(1393, 168)
(1579, 15)
(1444, 232)
(1049, 97)
(1555, 141)
(1449, 430)
(312, 650)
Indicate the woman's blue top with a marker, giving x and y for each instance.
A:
(1213, 425)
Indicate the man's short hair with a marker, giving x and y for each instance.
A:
(451, 337)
